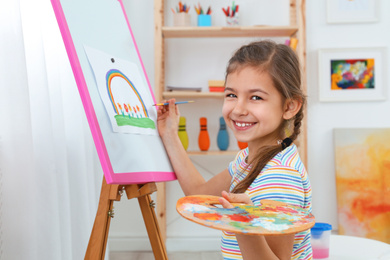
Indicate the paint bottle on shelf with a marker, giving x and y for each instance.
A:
(223, 136)
(203, 139)
(182, 132)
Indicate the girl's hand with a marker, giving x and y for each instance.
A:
(228, 198)
(168, 119)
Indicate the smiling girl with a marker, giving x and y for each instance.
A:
(263, 101)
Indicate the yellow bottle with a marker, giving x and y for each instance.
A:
(183, 133)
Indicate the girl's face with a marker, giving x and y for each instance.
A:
(253, 108)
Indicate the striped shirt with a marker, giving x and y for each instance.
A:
(284, 179)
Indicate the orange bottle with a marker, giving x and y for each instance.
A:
(203, 139)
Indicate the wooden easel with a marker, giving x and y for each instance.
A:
(112, 192)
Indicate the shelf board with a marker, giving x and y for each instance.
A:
(193, 94)
(239, 31)
(212, 153)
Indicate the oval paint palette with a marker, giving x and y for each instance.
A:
(271, 218)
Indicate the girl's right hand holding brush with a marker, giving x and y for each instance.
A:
(168, 120)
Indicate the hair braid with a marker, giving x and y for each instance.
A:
(297, 125)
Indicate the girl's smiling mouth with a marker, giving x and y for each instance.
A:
(242, 125)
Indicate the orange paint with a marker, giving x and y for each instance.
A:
(241, 218)
(208, 216)
(286, 210)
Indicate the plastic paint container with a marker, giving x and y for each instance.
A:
(320, 236)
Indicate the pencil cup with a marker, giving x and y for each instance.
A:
(204, 20)
(181, 19)
(232, 21)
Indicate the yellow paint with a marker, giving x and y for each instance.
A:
(335, 78)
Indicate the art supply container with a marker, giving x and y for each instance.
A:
(232, 21)
(320, 236)
(204, 20)
(181, 19)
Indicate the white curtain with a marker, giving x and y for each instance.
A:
(50, 176)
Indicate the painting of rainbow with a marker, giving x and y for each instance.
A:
(127, 114)
(270, 218)
(352, 74)
(362, 160)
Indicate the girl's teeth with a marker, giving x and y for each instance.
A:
(242, 124)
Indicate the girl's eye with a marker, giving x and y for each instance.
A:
(256, 98)
(230, 95)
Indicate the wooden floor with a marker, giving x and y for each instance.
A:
(171, 256)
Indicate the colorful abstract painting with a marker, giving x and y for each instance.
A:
(362, 159)
(352, 74)
(270, 218)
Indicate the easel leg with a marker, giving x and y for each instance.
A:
(98, 239)
(110, 193)
(152, 227)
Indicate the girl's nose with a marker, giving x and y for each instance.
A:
(240, 108)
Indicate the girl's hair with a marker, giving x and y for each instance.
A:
(282, 64)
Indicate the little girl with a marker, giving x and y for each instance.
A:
(263, 101)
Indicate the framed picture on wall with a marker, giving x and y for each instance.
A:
(353, 74)
(352, 11)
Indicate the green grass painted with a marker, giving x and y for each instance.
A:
(138, 122)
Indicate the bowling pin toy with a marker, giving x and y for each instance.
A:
(242, 145)
(223, 136)
(182, 132)
(203, 139)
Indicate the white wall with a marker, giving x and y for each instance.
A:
(206, 59)
(324, 117)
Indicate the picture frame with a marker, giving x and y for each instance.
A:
(355, 11)
(353, 74)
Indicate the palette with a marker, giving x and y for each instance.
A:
(270, 218)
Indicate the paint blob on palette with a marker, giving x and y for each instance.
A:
(271, 218)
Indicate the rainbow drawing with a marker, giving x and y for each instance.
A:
(138, 117)
(116, 73)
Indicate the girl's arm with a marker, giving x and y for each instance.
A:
(259, 247)
(191, 181)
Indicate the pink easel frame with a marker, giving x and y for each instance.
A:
(110, 176)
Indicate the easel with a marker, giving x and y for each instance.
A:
(112, 192)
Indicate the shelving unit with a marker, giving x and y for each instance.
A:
(190, 94)
(216, 31)
(194, 153)
(296, 28)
